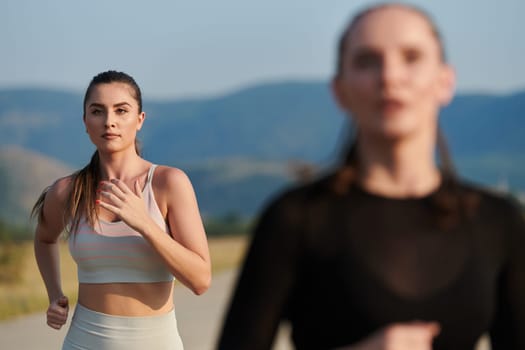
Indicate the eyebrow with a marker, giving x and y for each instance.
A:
(100, 105)
(367, 50)
(121, 104)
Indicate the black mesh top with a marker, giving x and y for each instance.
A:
(340, 266)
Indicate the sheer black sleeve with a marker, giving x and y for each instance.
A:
(266, 279)
(508, 330)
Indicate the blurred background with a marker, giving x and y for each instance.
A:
(237, 95)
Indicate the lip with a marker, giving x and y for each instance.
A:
(391, 105)
(110, 136)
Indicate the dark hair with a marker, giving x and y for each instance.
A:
(81, 201)
(112, 76)
(451, 205)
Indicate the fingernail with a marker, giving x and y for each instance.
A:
(97, 201)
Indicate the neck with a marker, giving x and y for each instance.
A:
(121, 166)
(398, 168)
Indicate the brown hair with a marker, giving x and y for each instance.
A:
(81, 200)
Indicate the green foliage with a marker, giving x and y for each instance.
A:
(11, 255)
(14, 305)
(11, 262)
(5, 192)
(4, 183)
(227, 225)
(10, 233)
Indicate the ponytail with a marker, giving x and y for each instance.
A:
(81, 201)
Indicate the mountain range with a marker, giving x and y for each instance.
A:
(238, 148)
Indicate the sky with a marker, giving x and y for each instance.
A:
(200, 48)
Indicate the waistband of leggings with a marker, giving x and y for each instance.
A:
(96, 317)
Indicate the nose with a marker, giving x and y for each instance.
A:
(110, 120)
(391, 72)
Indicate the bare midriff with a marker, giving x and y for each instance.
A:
(127, 299)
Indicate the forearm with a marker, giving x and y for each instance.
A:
(187, 266)
(48, 261)
(186, 253)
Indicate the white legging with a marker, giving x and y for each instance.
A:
(94, 330)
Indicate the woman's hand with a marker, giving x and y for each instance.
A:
(129, 206)
(401, 336)
(184, 248)
(57, 312)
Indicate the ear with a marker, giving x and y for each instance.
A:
(339, 93)
(142, 117)
(447, 85)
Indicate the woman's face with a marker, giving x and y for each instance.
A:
(393, 80)
(112, 117)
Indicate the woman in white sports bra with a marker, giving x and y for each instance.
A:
(132, 228)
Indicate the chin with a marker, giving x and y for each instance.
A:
(397, 131)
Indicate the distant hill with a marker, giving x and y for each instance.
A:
(486, 124)
(47, 121)
(281, 121)
(23, 176)
(271, 122)
(254, 132)
(236, 186)
(228, 186)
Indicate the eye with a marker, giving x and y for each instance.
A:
(121, 111)
(412, 55)
(96, 111)
(367, 60)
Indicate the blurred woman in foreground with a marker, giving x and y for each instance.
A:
(390, 250)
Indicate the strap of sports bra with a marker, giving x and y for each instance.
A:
(150, 173)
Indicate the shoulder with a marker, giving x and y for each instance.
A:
(60, 190)
(493, 205)
(505, 214)
(172, 185)
(167, 178)
(494, 198)
(50, 207)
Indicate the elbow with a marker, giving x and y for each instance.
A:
(200, 290)
(202, 285)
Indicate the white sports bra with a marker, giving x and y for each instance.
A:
(112, 252)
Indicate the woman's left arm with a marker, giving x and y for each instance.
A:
(186, 253)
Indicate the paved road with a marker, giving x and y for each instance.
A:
(199, 319)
